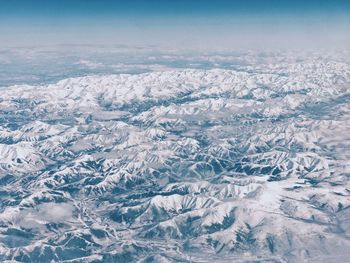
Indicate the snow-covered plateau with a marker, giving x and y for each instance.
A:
(186, 165)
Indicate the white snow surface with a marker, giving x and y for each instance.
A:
(179, 166)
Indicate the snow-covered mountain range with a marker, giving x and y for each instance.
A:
(179, 166)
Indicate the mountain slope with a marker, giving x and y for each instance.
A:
(183, 166)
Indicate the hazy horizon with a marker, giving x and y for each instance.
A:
(183, 25)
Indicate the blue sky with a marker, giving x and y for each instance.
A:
(176, 24)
